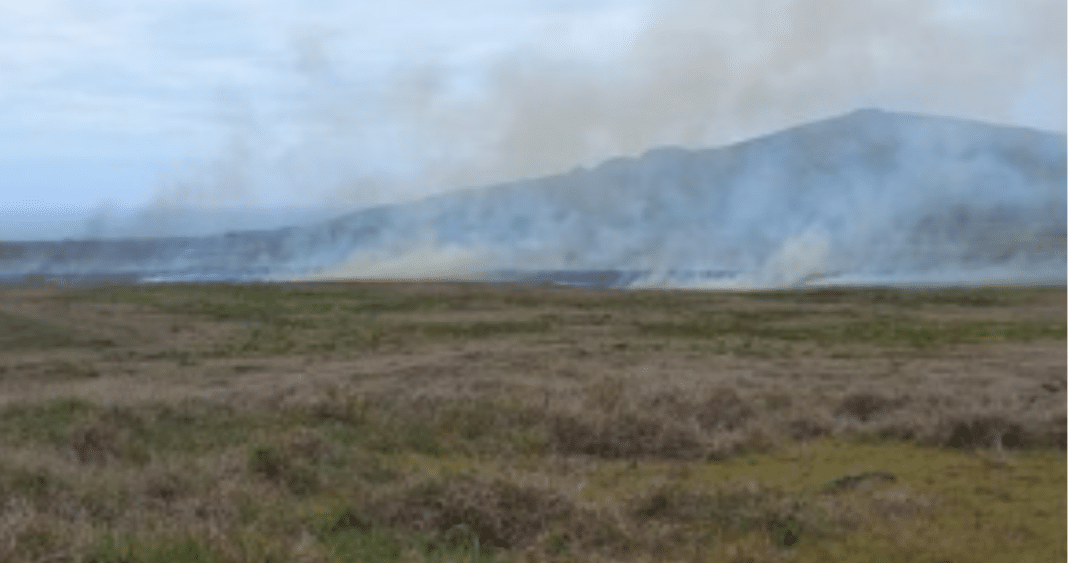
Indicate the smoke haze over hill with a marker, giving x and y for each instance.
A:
(869, 197)
(118, 118)
(588, 86)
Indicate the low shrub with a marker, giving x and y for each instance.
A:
(735, 507)
(498, 513)
(629, 435)
(278, 465)
(864, 406)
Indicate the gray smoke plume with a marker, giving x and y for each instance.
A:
(868, 197)
(708, 73)
(690, 73)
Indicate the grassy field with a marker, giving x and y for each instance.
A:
(467, 422)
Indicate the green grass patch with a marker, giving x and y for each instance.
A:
(288, 319)
(96, 433)
(271, 302)
(940, 503)
(910, 297)
(36, 484)
(481, 329)
(826, 330)
(47, 421)
(344, 318)
(22, 333)
(112, 548)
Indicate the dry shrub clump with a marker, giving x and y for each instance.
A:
(166, 484)
(872, 498)
(859, 480)
(626, 435)
(735, 507)
(108, 436)
(723, 408)
(807, 427)
(865, 406)
(38, 485)
(898, 503)
(939, 419)
(616, 420)
(985, 431)
(95, 444)
(24, 534)
(1057, 433)
(498, 512)
(292, 463)
(620, 419)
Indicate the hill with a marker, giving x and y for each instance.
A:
(871, 196)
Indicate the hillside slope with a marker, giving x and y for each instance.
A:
(868, 196)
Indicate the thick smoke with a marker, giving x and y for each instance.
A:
(709, 73)
(592, 85)
(870, 197)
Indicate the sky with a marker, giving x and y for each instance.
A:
(118, 109)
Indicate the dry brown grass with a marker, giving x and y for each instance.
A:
(498, 513)
(459, 422)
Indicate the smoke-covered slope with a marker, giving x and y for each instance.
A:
(870, 196)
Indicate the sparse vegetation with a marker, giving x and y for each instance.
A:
(20, 333)
(463, 422)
